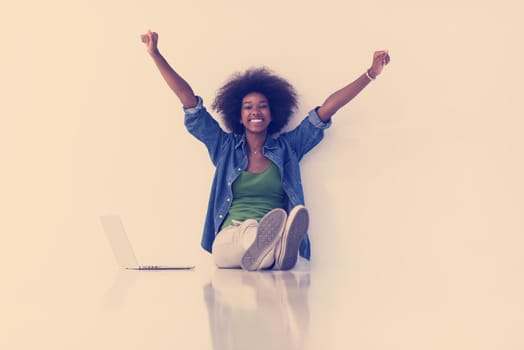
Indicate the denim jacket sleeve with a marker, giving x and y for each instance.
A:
(307, 134)
(205, 128)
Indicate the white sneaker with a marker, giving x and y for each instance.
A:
(269, 232)
(286, 252)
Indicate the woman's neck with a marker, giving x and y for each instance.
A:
(255, 142)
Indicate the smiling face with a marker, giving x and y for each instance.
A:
(255, 114)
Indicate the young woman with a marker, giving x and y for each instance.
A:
(256, 217)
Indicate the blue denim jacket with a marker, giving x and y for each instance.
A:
(229, 156)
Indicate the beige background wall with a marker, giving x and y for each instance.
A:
(418, 181)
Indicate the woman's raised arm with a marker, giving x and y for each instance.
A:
(179, 86)
(341, 97)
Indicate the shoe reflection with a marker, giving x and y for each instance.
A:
(258, 310)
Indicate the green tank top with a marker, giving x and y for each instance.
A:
(255, 194)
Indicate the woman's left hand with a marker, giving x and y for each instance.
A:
(380, 59)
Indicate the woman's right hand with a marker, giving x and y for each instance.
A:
(150, 39)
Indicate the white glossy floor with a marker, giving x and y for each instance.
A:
(207, 308)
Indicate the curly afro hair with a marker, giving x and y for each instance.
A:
(281, 96)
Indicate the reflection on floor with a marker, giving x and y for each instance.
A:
(249, 310)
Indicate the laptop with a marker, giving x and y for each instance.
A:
(122, 249)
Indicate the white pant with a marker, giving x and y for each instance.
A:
(233, 241)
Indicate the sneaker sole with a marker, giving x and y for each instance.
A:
(295, 230)
(269, 231)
